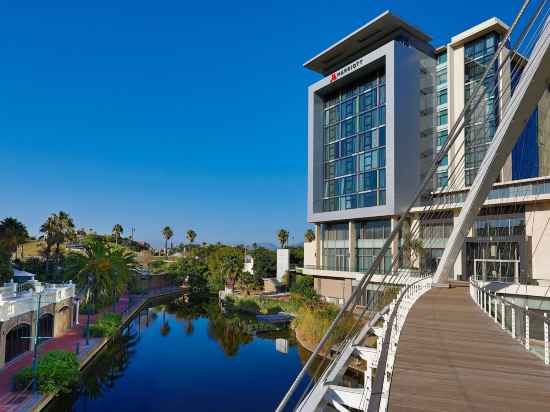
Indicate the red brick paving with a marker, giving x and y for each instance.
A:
(66, 342)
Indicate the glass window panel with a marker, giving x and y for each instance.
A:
(382, 178)
(348, 127)
(382, 136)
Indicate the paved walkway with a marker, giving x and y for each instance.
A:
(66, 342)
(453, 357)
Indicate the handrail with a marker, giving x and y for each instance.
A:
(489, 301)
(494, 294)
(378, 387)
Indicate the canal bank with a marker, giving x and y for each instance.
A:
(37, 402)
(180, 355)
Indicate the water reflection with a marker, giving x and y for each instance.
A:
(165, 349)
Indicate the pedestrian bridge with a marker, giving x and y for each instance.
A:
(452, 356)
(441, 348)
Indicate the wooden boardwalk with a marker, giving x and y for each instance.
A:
(453, 357)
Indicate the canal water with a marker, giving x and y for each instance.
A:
(181, 356)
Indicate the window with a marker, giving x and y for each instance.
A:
(348, 157)
(442, 97)
(382, 115)
(349, 146)
(368, 100)
(348, 127)
(441, 77)
(442, 138)
(442, 117)
(368, 181)
(348, 108)
(442, 179)
(382, 136)
(442, 58)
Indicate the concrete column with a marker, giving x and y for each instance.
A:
(347, 289)
(318, 250)
(352, 245)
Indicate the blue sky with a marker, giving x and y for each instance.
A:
(188, 114)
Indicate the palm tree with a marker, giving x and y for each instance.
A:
(282, 236)
(101, 272)
(66, 230)
(191, 235)
(117, 231)
(12, 234)
(232, 266)
(167, 233)
(50, 233)
(413, 247)
(309, 236)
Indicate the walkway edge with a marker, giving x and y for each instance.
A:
(46, 399)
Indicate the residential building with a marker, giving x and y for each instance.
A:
(381, 112)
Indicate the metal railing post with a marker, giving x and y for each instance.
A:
(527, 345)
(513, 322)
(495, 304)
(546, 352)
(503, 315)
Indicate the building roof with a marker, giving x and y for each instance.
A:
(492, 24)
(367, 35)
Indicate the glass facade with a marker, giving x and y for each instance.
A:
(335, 243)
(480, 123)
(354, 150)
(442, 118)
(374, 233)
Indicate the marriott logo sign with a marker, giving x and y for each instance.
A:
(344, 71)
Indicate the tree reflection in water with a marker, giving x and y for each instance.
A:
(230, 331)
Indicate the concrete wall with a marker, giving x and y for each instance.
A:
(63, 320)
(544, 134)
(283, 263)
(310, 253)
(333, 290)
(537, 222)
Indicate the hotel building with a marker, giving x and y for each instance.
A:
(382, 110)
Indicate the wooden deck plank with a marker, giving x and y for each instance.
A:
(452, 357)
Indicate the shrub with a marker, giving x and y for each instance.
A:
(86, 308)
(303, 285)
(57, 370)
(106, 326)
(138, 291)
(313, 320)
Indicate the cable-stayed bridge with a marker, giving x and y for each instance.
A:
(443, 345)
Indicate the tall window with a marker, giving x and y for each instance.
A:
(354, 145)
(479, 123)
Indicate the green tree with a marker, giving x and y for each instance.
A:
(66, 231)
(117, 231)
(309, 236)
(296, 256)
(413, 247)
(191, 235)
(102, 271)
(265, 263)
(167, 233)
(282, 236)
(225, 266)
(49, 235)
(12, 234)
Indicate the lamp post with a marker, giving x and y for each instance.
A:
(35, 342)
(88, 327)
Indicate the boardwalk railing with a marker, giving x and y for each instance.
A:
(527, 326)
(373, 396)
